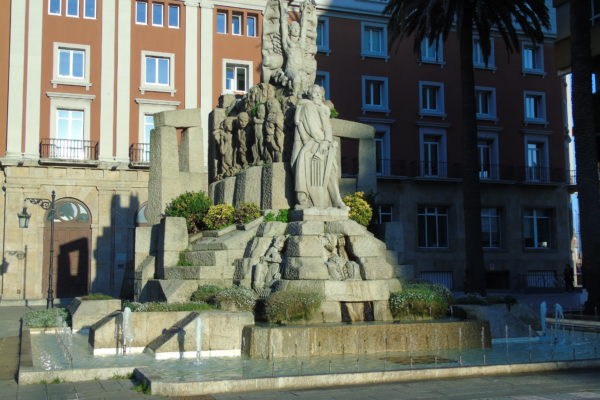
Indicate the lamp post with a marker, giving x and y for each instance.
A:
(24, 223)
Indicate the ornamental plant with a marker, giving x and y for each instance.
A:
(44, 318)
(282, 216)
(192, 206)
(167, 307)
(420, 300)
(219, 216)
(360, 210)
(290, 305)
(206, 293)
(246, 212)
(242, 298)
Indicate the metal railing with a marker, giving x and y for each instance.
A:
(541, 279)
(69, 149)
(443, 278)
(139, 153)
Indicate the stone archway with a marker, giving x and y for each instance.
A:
(72, 249)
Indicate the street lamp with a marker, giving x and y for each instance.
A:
(24, 217)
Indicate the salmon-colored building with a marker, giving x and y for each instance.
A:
(83, 77)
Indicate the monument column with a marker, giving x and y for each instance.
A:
(191, 53)
(206, 69)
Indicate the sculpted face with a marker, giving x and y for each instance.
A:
(294, 29)
(243, 119)
(228, 124)
(316, 93)
(261, 111)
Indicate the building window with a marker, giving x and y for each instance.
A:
(433, 227)
(157, 14)
(158, 72)
(322, 79)
(536, 169)
(487, 151)
(533, 59)
(54, 7)
(432, 51)
(72, 8)
(479, 59)
(323, 35)
(485, 102)
(431, 156)
(71, 65)
(141, 12)
(382, 150)
(384, 213)
(595, 12)
(237, 76)
(173, 16)
(536, 228)
(236, 24)
(535, 107)
(140, 152)
(251, 25)
(431, 98)
(221, 22)
(374, 40)
(375, 94)
(490, 228)
(89, 9)
(69, 129)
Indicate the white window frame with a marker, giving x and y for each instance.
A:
(480, 64)
(534, 218)
(162, 14)
(324, 46)
(85, 2)
(492, 114)
(442, 156)
(59, 8)
(369, 53)
(178, 9)
(255, 18)
(498, 217)
(543, 176)
(146, 87)
(441, 107)
(61, 80)
(381, 213)
(436, 213)
(67, 10)
(539, 48)
(384, 107)
(426, 58)
(137, 3)
(70, 101)
(492, 138)
(217, 22)
(325, 75)
(535, 120)
(247, 64)
(239, 16)
(385, 149)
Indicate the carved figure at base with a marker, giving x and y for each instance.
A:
(226, 146)
(268, 269)
(339, 267)
(258, 148)
(241, 137)
(314, 158)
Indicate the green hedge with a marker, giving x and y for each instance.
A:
(288, 306)
(360, 210)
(243, 298)
(165, 307)
(282, 216)
(420, 300)
(219, 216)
(206, 293)
(246, 212)
(44, 318)
(192, 206)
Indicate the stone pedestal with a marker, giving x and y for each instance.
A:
(318, 214)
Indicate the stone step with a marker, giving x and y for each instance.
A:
(207, 257)
(200, 272)
(171, 290)
(235, 240)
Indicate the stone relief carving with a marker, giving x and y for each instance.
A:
(268, 268)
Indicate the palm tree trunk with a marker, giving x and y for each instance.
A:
(585, 149)
(474, 268)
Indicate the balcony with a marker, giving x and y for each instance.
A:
(139, 155)
(68, 151)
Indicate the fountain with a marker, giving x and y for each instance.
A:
(127, 334)
(64, 337)
(198, 337)
(543, 312)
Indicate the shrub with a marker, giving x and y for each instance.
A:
(182, 262)
(246, 212)
(164, 307)
(420, 300)
(243, 298)
(206, 293)
(282, 216)
(192, 206)
(44, 318)
(333, 113)
(97, 296)
(284, 306)
(360, 210)
(219, 216)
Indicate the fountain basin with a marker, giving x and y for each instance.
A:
(363, 338)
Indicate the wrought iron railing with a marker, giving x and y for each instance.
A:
(139, 153)
(69, 149)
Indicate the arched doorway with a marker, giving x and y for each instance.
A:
(72, 249)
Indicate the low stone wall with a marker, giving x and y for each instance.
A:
(323, 340)
(85, 313)
(172, 334)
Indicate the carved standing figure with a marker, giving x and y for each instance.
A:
(272, 53)
(258, 149)
(226, 146)
(241, 137)
(313, 156)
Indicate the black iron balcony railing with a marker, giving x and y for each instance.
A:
(69, 149)
(573, 176)
(139, 153)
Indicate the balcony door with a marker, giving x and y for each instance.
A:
(69, 143)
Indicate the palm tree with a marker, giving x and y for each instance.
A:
(432, 19)
(585, 149)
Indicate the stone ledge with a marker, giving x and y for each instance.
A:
(318, 214)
